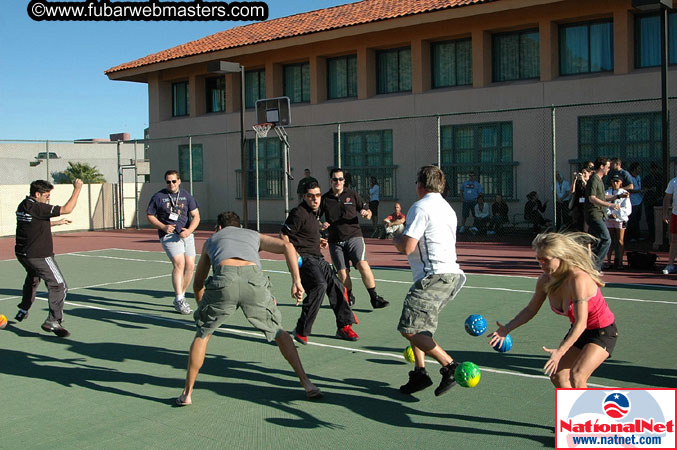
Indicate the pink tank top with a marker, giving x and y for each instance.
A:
(599, 313)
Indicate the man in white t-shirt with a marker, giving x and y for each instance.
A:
(670, 200)
(429, 241)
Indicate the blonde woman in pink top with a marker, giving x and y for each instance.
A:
(571, 283)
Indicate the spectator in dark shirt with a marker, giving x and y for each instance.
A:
(499, 215)
(533, 211)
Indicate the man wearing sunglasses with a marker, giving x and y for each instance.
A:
(302, 228)
(340, 206)
(174, 212)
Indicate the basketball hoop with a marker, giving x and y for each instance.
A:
(262, 129)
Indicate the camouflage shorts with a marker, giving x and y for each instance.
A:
(425, 300)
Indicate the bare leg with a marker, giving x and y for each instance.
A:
(561, 378)
(196, 358)
(423, 344)
(621, 245)
(589, 359)
(366, 274)
(288, 350)
(344, 276)
(188, 270)
(179, 263)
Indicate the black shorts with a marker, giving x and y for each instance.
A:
(604, 337)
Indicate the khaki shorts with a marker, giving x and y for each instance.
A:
(233, 287)
(174, 245)
(425, 300)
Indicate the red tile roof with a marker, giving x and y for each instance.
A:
(332, 18)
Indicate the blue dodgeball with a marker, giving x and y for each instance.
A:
(506, 346)
(475, 325)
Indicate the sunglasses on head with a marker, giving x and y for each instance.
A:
(172, 181)
(337, 179)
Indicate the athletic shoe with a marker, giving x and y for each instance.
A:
(300, 338)
(379, 302)
(390, 235)
(474, 230)
(669, 269)
(21, 315)
(461, 230)
(181, 306)
(347, 333)
(448, 380)
(351, 299)
(56, 328)
(418, 380)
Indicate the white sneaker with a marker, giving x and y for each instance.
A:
(181, 306)
(669, 269)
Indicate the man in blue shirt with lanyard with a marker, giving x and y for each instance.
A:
(174, 212)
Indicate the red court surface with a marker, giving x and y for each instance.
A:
(494, 258)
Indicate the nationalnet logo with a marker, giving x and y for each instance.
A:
(615, 418)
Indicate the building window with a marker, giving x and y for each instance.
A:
(632, 137)
(254, 87)
(515, 56)
(185, 163)
(180, 99)
(216, 94)
(271, 174)
(366, 154)
(297, 82)
(394, 70)
(586, 47)
(486, 150)
(342, 77)
(648, 40)
(451, 63)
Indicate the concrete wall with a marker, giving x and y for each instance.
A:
(17, 157)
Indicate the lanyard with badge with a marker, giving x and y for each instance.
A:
(173, 210)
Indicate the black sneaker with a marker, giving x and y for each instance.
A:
(418, 380)
(448, 380)
(56, 328)
(351, 299)
(379, 302)
(21, 315)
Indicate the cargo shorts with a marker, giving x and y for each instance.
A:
(232, 287)
(424, 301)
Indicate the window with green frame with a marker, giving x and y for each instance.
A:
(516, 56)
(215, 91)
(451, 63)
(270, 168)
(342, 77)
(632, 137)
(648, 40)
(180, 99)
(486, 150)
(393, 70)
(366, 154)
(184, 162)
(586, 47)
(254, 87)
(297, 82)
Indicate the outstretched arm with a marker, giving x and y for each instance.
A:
(70, 204)
(275, 245)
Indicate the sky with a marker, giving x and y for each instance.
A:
(52, 82)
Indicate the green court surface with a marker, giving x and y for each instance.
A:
(113, 382)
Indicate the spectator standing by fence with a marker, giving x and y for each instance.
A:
(374, 197)
(499, 215)
(577, 201)
(636, 198)
(470, 190)
(617, 221)
(563, 191)
(652, 185)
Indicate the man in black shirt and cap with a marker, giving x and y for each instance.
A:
(35, 251)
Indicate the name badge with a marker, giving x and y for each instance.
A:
(581, 200)
(173, 216)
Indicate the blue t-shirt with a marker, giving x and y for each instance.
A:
(471, 190)
(164, 203)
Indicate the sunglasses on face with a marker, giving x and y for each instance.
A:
(337, 179)
(312, 196)
(172, 181)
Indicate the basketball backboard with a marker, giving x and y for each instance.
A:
(273, 110)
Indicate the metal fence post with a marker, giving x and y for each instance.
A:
(190, 162)
(338, 144)
(554, 168)
(439, 142)
(256, 178)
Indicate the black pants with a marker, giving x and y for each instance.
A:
(318, 278)
(43, 269)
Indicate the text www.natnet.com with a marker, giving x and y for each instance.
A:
(616, 440)
(153, 10)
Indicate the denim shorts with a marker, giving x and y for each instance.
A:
(425, 300)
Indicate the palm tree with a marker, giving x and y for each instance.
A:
(88, 174)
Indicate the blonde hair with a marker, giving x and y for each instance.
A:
(573, 251)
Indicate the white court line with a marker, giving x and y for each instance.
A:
(317, 344)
